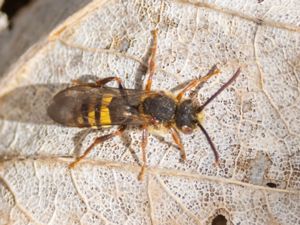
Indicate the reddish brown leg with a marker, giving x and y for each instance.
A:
(151, 62)
(77, 82)
(176, 138)
(99, 83)
(106, 80)
(144, 145)
(102, 82)
(196, 82)
(97, 141)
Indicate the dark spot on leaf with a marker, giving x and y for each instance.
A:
(219, 220)
(271, 185)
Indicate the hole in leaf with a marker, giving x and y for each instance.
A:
(271, 185)
(219, 220)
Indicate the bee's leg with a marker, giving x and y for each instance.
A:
(99, 83)
(106, 80)
(144, 145)
(196, 82)
(151, 62)
(222, 88)
(97, 141)
(76, 82)
(176, 138)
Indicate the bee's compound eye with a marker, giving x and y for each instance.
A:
(187, 130)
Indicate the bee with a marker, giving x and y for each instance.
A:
(95, 105)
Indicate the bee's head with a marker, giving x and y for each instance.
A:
(186, 116)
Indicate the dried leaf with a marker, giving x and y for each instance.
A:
(255, 123)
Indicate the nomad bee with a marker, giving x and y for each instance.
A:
(96, 105)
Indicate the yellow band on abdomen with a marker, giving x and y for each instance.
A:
(104, 110)
(91, 118)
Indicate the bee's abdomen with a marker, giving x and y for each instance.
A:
(82, 118)
(95, 114)
(68, 110)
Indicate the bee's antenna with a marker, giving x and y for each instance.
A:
(220, 90)
(210, 143)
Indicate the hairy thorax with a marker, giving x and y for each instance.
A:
(160, 107)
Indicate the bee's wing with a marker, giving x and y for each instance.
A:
(83, 105)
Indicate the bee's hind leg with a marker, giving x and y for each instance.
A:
(97, 141)
(144, 145)
(151, 62)
(106, 80)
(98, 83)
